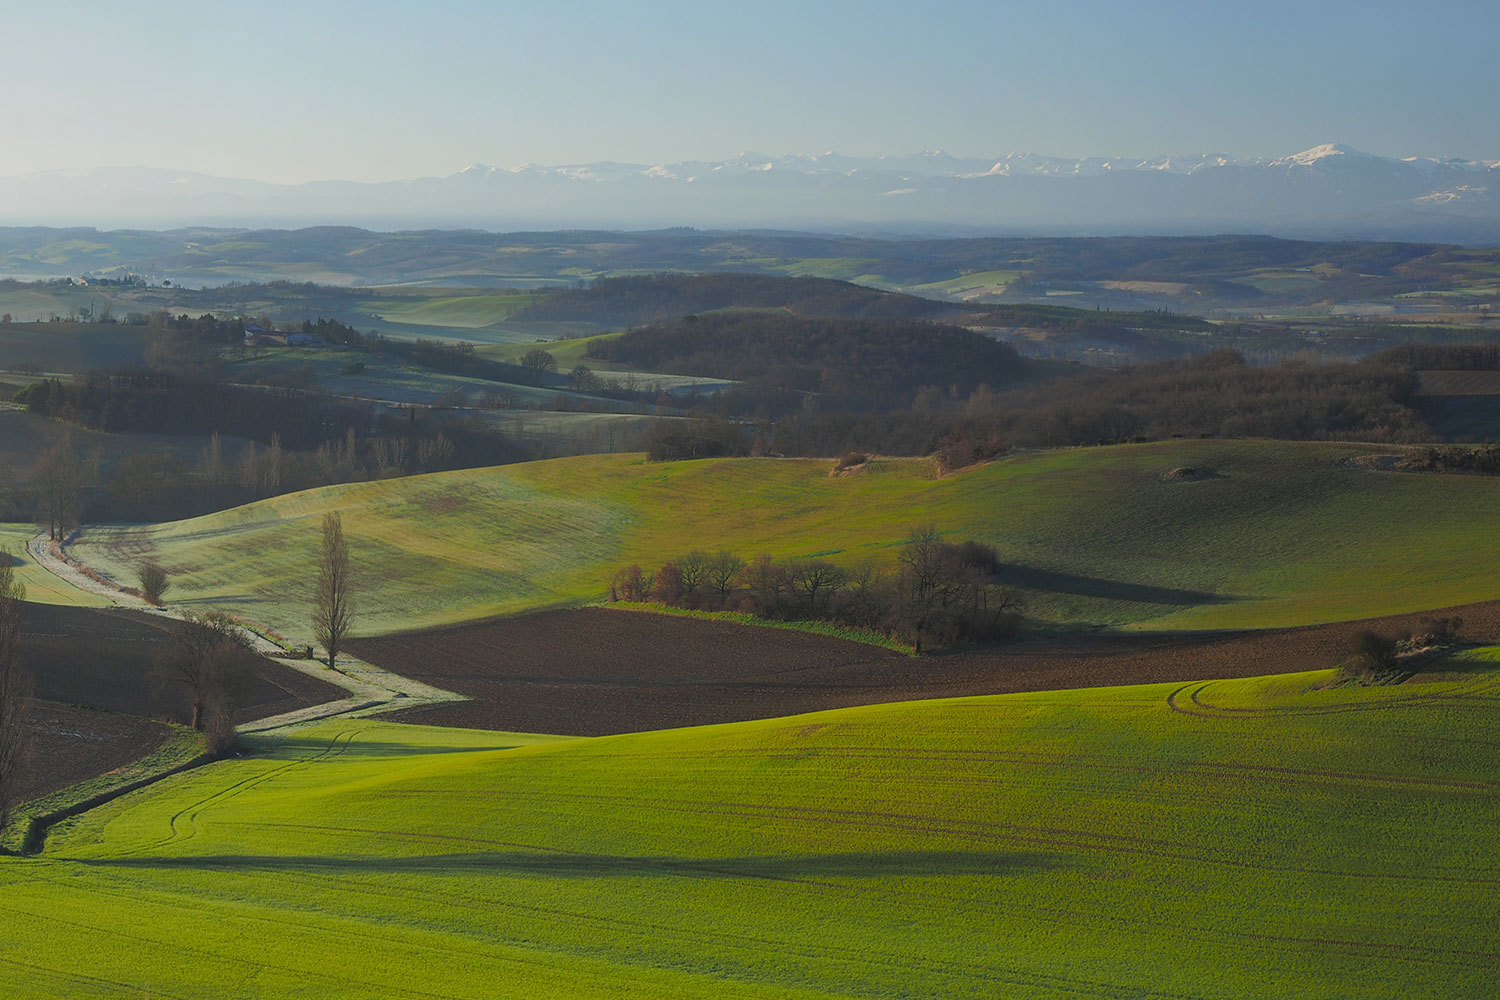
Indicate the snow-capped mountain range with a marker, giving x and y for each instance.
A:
(1325, 191)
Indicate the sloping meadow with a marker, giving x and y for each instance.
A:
(1227, 839)
(1260, 534)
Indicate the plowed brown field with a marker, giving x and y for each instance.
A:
(71, 744)
(102, 658)
(594, 671)
(91, 673)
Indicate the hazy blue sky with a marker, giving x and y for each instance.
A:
(378, 90)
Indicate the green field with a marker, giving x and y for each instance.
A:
(1281, 841)
(1273, 534)
(41, 586)
(457, 311)
(568, 353)
(966, 286)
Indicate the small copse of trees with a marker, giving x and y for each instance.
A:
(940, 592)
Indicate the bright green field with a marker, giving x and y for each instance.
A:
(1282, 843)
(1283, 534)
(41, 586)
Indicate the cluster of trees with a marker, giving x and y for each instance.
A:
(1443, 357)
(939, 593)
(1480, 460)
(709, 436)
(1213, 395)
(853, 364)
(62, 490)
(650, 298)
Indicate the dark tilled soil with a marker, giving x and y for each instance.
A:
(593, 671)
(103, 658)
(71, 744)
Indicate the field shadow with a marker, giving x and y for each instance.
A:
(1035, 578)
(895, 864)
(306, 748)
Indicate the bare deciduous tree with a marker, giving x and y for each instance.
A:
(15, 693)
(721, 571)
(153, 579)
(207, 663)
(56, 481)
(333, 606)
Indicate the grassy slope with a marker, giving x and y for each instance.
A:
(1282, 535)
(1314, 844)
(467, 311)
(42, 587)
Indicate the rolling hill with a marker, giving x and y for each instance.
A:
(1264, 534)
(1222, 840)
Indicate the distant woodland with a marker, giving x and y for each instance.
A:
(852, 364)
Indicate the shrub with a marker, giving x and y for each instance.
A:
(539, 360)
(153, 580)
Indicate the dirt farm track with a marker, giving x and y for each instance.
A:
(594, 671)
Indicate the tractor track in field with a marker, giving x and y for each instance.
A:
(1474, 694)
(191, 812)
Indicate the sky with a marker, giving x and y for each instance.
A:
(322, 89)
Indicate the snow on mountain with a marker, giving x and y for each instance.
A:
(1329, 189)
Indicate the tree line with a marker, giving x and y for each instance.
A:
(852, 364)
(1212, 395)
(939, 592)
(650, 298)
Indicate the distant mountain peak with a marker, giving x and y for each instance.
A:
(1327, 151)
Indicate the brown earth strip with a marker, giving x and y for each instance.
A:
(71, 744)
(595, 671)
(103, 657)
